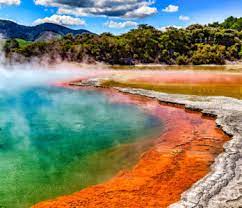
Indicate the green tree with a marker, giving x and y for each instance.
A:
(207, 54)
(11, 45)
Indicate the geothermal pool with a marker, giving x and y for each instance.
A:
(55, 141)
(179, 157)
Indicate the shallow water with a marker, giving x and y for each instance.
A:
(202, 81)
(56, 141)
(181, 156)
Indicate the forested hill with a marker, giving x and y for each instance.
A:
(214, 43)
(11, 30)
(230, 23)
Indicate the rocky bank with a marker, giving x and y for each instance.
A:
(222, 187)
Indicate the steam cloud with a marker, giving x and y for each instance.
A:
(35, 73)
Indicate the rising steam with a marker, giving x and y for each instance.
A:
(34, 73)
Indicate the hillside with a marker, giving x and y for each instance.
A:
(195, 44)
(12, 30)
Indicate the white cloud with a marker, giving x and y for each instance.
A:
(184, 18)
(120, 25)
(61, 20)
(171, 8)
(141, 12)
(10, 2)
(164, 29)
(111, 8)
(72, 11)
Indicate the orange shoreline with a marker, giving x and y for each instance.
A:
(180, 157)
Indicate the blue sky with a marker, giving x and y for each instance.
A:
(118, 16)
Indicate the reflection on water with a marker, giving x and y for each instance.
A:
(229, 90)
(191, 80)
(219, 68)
(56, 141)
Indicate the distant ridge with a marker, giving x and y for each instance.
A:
(12, 30)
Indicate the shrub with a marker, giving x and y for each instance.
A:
(182, 60)
(207, 54)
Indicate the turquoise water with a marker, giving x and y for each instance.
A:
(56, 141)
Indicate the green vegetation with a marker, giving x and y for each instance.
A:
(197, 44)
(13, 44)
(230, 23)
(23, 43)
